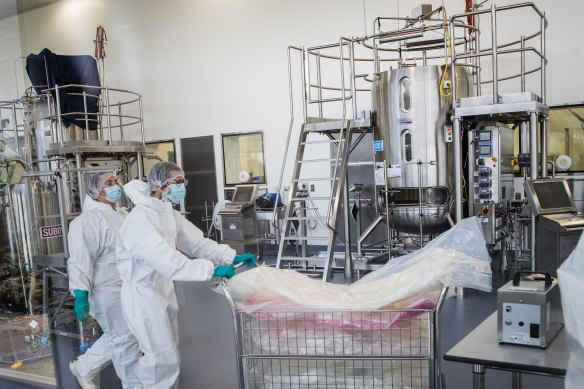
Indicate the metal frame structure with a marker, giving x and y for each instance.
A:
(455, 42)
(284, 346)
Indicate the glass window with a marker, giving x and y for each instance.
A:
(405, 97)
(243, 158)
(407, 146)
(161, 150)
(565, 135)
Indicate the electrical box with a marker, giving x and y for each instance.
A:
(529, 311)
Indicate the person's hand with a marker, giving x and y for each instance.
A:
(249, 259)
(224, 271)
(81, 307)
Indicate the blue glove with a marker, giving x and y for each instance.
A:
(81, 307)
(249, 259)
(224, 271)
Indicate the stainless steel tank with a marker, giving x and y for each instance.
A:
(413, 134)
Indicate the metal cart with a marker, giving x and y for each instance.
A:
(337, 349)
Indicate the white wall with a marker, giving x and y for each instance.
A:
(205, 67)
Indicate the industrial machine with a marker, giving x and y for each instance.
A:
(558, 224)
(61, 135)
(413, 137)
(444, 125)
(529, 311)
(238, 220)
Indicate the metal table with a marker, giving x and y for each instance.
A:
(481, 349)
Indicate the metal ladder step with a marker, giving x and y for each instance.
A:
(291, 237)
(316, 179)
(308, 218)
(292, 258)
(318, 160)
(309, 198)
(314, 142)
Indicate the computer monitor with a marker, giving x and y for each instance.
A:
(548, 196)
(244, 194)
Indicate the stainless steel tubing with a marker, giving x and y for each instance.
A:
(140, 165)
(304, 71)
(420, 202)
(457, 168)
(58, 105)
(62, 216)
(478, 59)
(352, 73)
(142, 122)
(80, 183)
(494, 53)
(319, 81)
(543, 141)
(121, 121)
(543, 60)
(387, 210)
(348, 259)
(109, 118)
(533, 175)
(367, 232)
(522, 64)
(86, 117)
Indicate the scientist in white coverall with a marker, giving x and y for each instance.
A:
(154, 248)
(96, 284)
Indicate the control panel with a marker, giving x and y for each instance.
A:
(493, 173)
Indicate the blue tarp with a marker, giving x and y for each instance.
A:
(47, 69)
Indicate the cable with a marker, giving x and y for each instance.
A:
(447, 55)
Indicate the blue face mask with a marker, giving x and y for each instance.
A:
(113, 193)
(177, 193)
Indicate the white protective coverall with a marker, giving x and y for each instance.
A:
(92, 267)
(149, 261)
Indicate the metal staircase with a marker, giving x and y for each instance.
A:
(339, 133)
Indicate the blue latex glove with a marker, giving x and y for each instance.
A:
(224, 271)
(81, 308)
(249, 259)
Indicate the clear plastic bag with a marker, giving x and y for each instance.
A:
(457, 258)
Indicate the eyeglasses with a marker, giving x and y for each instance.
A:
(178, 182)
(110, 182)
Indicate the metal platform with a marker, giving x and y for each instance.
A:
(95, 147)
(335, 125)
(510, 107)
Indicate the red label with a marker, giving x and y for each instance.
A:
(51, 231)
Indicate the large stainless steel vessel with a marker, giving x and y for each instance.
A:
(413, 135)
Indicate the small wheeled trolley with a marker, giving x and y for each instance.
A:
(337, 349)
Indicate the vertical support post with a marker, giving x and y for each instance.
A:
(59, 121)
(543, 61)
(522, 63)
(348, 259)
(421, 209)
(304, 69)
(121, 121)
(494, 53)
(533, 175)
(543, 143)
(80, 183)
(319, 82)
(86, 116)
(141, 122)
(387, 210)
(109, 117)
(478, 377)
(457, 169)
(62, 216)
(140, 165)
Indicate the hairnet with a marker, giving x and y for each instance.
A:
(160, 174)
(95, 183)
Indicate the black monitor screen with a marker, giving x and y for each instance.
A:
(243, 194)
(552, 195)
